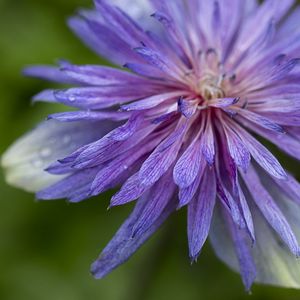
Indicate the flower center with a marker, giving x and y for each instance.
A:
(211, 87)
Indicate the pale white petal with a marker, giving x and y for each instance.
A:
(220, 240)
(274, 263)
(137, 9)
(24, 162)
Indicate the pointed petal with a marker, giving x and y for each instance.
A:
(243, 252)
(270, 210)
(75, 116)
(200, 211)
(262, 155)
(158, 198)
(275, 264)
(49, 73)
(162, 157)
(123, 245)
(189, 165)
(131, 190)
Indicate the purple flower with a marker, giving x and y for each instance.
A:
(176, 125)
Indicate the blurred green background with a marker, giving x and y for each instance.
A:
(46, 248)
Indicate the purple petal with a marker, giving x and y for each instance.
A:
(246, 212)
(101, 75)
(119, 165)
(165, 117)
(189, 165)
(260, 120)
(93, 32)
(122, 23)
(49, 73)
(223, 102)
(151, 102)
(187, 107)
(158, 198)
(287, 142)
(123, 245)
(230, 204)
(186, 194)
(244, 255)
(237, 149)
(81, 29)
(200, 211)
(131, 190)
(262, 155)
(162, 157)
(113, 170)
(162, 63)
(125, 131)
(65, 188)
(99, 97)
(208, 143)
(285, 272)
(45, 96)
(145, 70)
(291, 187)
(270, 210)
(74, 116)
(105, 149)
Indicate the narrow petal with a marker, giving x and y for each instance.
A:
(262, 155)
(98, 97)
(75, 116)
(105, 149)
(49, 73)
(200, 211)
(230, 204)
(162, 63)
(239, 153)
(246, 212)
(65, 188)
(291, 187)
(158, 198)
(243, 251)
(162, 157)
(123, 245)
(270, 210)
(117, 166)
(101, 75)
(189, 165)
(223, 102)
(187, 107)
(125, 131)
(260, 120)
(186, 194)
(275, 264)
(208, 142)
(152, 101)
(131, 190)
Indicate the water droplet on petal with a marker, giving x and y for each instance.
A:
(37, 163)
(66, 139)
(45, 152)
(72, 98)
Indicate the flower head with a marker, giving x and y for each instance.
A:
(177, 125)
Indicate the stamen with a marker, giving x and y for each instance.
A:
(210, 87)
